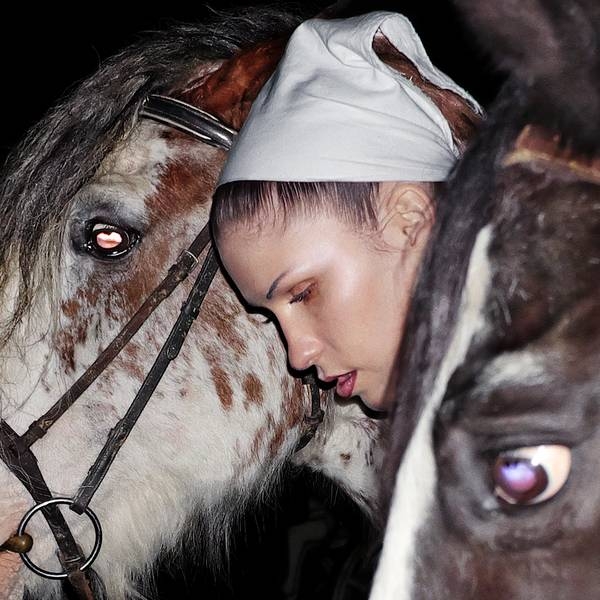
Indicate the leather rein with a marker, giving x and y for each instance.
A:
(80, 581)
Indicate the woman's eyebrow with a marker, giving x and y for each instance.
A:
(274, 285)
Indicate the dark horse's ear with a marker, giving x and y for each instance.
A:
(541, 150)
(552, 48)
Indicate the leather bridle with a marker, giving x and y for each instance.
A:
(15, 450)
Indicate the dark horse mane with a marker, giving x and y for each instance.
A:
(63, 151)
(539, 90)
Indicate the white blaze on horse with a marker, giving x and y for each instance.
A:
(96, 204)
(496, 439)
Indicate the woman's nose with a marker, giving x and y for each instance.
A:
(303, 351)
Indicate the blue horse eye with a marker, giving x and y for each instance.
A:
(531, 474)
(519, 479)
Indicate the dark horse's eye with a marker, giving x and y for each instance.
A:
(531, 475)
(104, 240)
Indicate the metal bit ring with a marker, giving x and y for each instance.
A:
(90, 559)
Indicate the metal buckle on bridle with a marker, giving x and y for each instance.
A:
(16, 449)
(189, 119)
(195, 259)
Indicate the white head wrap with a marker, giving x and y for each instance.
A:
(333, 111)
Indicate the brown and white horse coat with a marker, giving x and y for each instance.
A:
(227, 415)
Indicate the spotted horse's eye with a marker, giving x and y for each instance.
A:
(108, 241)
(532, 474)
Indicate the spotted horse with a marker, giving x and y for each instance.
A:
(97, 202)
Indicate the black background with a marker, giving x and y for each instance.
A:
(44, 54)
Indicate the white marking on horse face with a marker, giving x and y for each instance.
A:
(137, 157)
(523, 366)
(415, 481)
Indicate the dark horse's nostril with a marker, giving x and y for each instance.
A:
(17, 543)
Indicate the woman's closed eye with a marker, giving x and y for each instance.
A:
(304, 295)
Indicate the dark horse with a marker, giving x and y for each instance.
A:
(496, 443)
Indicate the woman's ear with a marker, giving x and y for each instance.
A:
(405, 212)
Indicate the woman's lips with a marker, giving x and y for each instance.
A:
(345, 384)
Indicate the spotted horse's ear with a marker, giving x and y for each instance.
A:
(229, 91)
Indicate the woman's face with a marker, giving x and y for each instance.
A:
(340, 296)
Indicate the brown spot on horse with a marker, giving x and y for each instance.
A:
(253, 391)
(223, 386)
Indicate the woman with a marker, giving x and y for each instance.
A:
(325, 205)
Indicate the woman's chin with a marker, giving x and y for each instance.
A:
(374, 403)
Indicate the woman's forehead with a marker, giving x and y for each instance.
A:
(283, 228)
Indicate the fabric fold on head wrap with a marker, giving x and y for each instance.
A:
(333, 111)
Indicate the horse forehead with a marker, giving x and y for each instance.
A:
(139, 155)
(132, 172)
